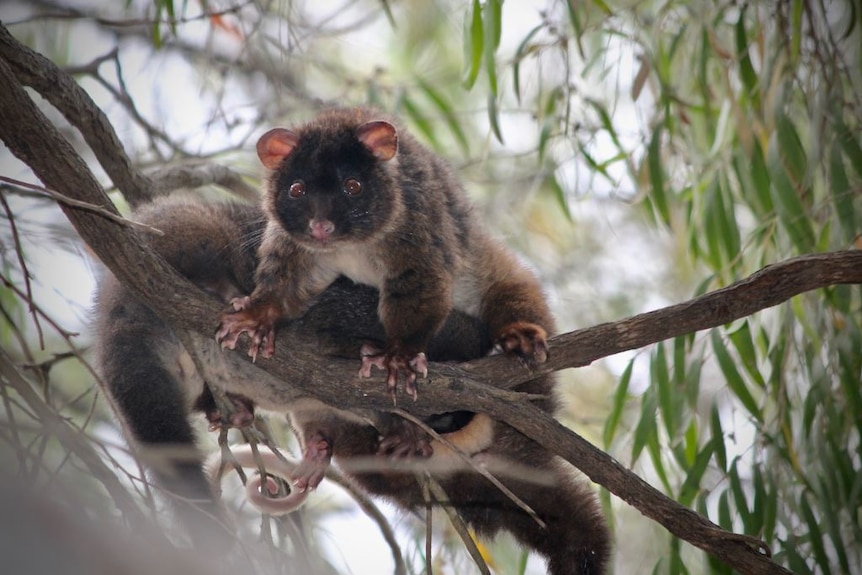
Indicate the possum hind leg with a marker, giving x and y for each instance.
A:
(574, 540)
(154, 403)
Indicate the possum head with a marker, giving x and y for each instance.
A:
(333, 181)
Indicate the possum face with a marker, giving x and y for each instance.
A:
(333, 183)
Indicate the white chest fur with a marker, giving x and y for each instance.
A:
(360, 265)
(357, 263)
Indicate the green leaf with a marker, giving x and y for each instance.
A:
(815, 537)
(797, 31)
(770, 510)
(704, 84)
(810, 406)
(760, 178)
(739, 498)
(172, 15)
(420, 121)
(656, 176)
(646, 427)
(617, 405)
(676, 565)
(156, 27)
(549, 120)
(691, 486)
(692, 381)
(850, 143)
(655, 452)
(713, 214)
(598, 167)
(732, 376)
(718, 445)
(725, 519)
(448, 112)
(842, 194)
(575, 20)
(387, 9)
(792, 153)
(746, 69)
(600, 4)
(758, 512)
(797, 564)
(829, 501)
(848, 360)
(729, 228)
(787, 164)
(679, 372)
(744, 344)
(474, 43)
(492, 21)
(494, 117)
(692, 440)
(661, 380)
(524, 48)
(560, 196)
(607, 123)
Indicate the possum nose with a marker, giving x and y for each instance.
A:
(320, 229)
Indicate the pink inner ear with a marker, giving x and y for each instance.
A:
(274, 146)
(380, 137)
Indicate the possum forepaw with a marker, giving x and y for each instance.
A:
(526, 341)
(256, 319)
(315, 459)
(241, 413)
(412, 366)
(404, 440)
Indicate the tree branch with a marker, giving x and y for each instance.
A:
(36, 71)
(770, 286)
(202, 174)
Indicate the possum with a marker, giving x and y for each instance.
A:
(156, 389)
(351, 193)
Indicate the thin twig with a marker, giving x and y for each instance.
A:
(72, 202)
(25, 271)
(472, 464)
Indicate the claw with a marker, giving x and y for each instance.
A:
(257, 320)
(394, 363)
(315, 459)
(405, 440)
(525, 341)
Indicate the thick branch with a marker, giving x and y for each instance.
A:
(36, 71)
(770, 286)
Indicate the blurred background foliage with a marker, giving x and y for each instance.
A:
(636, 153)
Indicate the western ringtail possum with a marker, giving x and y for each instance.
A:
(156, 388)
(350, 193)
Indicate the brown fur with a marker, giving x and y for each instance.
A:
(155, 387)
(410, 232)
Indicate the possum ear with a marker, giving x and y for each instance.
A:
(276, 145)
(380, 137)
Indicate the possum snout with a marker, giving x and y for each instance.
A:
(320, 229)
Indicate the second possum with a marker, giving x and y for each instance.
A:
(350, 193)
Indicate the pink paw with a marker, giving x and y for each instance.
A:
(315, 459)
(526, 341)
(393, 363)
(404, 440)
(257, 320)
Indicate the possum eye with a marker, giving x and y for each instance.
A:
(296, 190)
(352, 187)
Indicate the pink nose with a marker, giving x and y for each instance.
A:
(320, 229)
